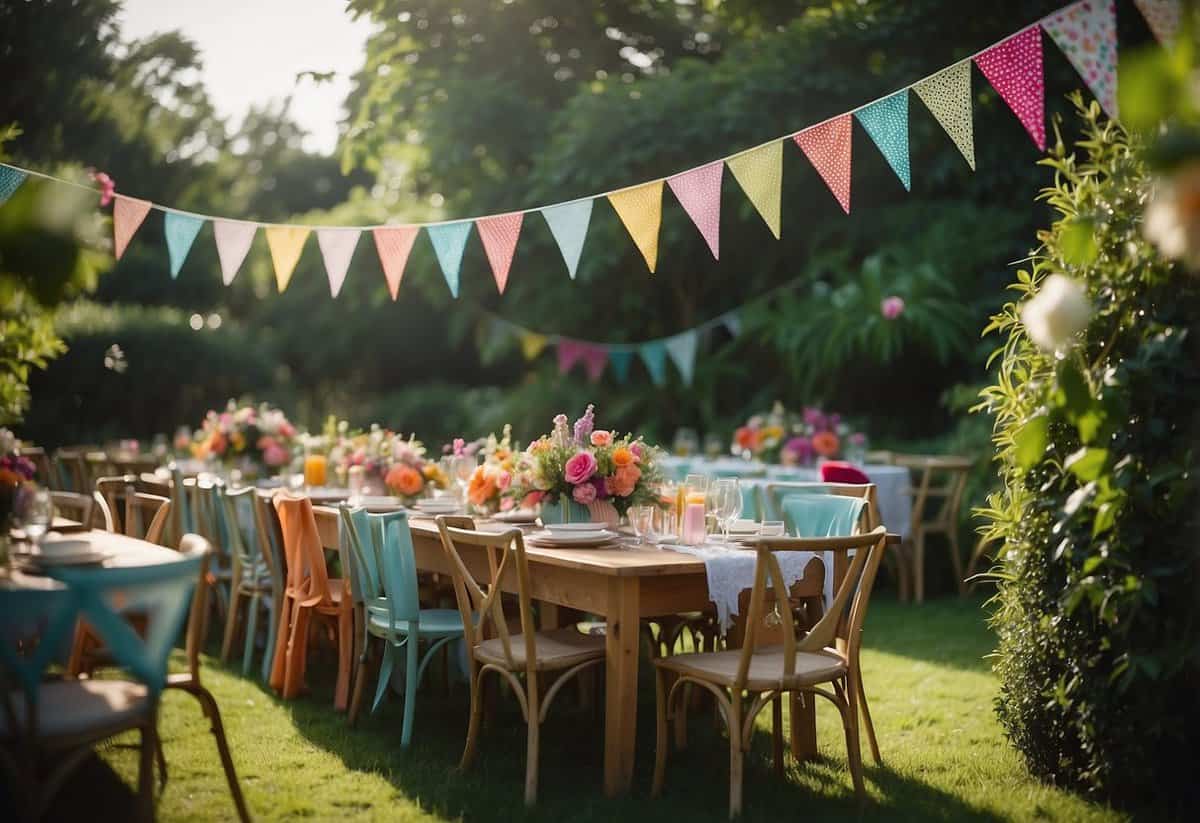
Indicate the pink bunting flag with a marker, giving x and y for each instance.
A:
(128, 214)
(570, 352)
(499, 235)
(394, 244)
(1014, 68)
(699, 192)
(827, 146)
(594, 359)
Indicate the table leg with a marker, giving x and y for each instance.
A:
(620, 694)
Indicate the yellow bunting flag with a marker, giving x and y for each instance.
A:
(760, 174)
(286, 243)
(532, 344)
(640, 209)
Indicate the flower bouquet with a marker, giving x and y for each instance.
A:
(15, 473)
(248, 438)
(793, 439)
(386, 461)
(487, 490)
(585, 473)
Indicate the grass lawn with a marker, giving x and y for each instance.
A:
(931, 694)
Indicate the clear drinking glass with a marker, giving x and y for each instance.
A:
(687, 442)
(464, 467)
(728, 503)
(642, 520)
(39, 514)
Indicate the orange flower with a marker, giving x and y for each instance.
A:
(826, 444)
(482, 487)
(404, 480)
(622, 456)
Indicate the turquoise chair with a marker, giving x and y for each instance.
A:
(822, 515)
(384, 570)
(182, 521)
(251, 573)
(270, 547)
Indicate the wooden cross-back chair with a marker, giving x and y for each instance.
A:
(128, 511)
(805, 662)
(70, 470)
(73, 506)
(492, 648)
(939, 483)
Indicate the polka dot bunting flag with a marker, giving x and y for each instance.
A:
(1087, 34)
(1014, 68)
(827, 146)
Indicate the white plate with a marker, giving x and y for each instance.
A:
(576, 539)
(441, 508)
(571, 528)
(65, 546)
(46, 561)
(516, 516)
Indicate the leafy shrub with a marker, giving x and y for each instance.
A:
(1097, 611)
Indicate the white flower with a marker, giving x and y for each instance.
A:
(1058, 312)
(1172, 219)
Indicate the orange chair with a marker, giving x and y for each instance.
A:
(309, 591)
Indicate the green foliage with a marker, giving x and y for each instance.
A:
(1097, 615)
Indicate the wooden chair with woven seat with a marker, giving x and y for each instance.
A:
(532, 653)
(804, 662)
(937, 498)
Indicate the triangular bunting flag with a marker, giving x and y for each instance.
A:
(449, 241)
(180, 231)
(286, 243)
(947, 95)
(682, 348)
(620, 361)
(499, 235)
(699, 192)
(569, 353)
(594, 358)
(233, 243)
(760, 174)
(128, 214)
(887, 123)
(1087, 34)
(1162, 16)
(10, 180)
(569, 224)
(1014, 68)
(337, 247)
(827, 147)
(654, 355)
(532, 344)
(733, 322)
(640, 209)
(394, 243)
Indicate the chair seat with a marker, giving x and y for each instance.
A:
(558, 649)
(431, 622)
(70, 708)
(766, 668)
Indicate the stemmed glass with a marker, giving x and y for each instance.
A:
(464, 467)
(727, 503)
(642, 520)
(39, 513)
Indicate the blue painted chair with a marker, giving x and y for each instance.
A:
(270, 547)
(384, 578)
(182, 521)
(251, 582)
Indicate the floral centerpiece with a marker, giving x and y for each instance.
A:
(387, 461)
(791, 439)
(592, 468)
(15, 473)
(487, 490)
(249, 438)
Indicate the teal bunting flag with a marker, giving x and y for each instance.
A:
(10, 180)
(682, 348)
(733, 322)
(654, 355)
(449, 242)
(181, 231)
(569, 224)
(887, 123)
(620, 360)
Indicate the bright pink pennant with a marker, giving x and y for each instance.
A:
(128, 214)
(1014, 68)
(594, 359)
(499, 235)
(827, 147)
(569, 353)
(699, 192)
(394, 244)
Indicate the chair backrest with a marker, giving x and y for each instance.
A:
(303, 553)
(208, 516)
(73, 506)
(70, 470)
(43, 473)
(111, 495)
(383, 567)
(840, 628)
(822, 515)
(270, 540)
(941, 480)
(236, 521)
(771, 503)
(355, 535)
(182, 520)
(481, 605)
(146, 517)
(35, 626)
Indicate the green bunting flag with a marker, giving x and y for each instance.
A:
(180, 231)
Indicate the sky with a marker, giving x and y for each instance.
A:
(253, 49)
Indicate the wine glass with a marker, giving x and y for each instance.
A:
(687, 442)
(39, 513)
(464, 467)
(642, 520)
(728, 507)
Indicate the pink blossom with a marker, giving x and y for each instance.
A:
(506, 504)
(584, 493)
(532, 499)
(275, 456)
(579, 468)
(107, 187)
(892, 307)
(637, 449)
(504, 480)
(798, 450)
(601, 438)
(458, 446)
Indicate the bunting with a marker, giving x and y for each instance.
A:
(1163, 17)
(1014, 68)
(449, 242)
(285, 243)
(699, 192)
(947, 95)
(569, 224)
(827, 146)
(1087, 34)
(619, 360)
(233, 244)
(682, 348)
(394, 244)
(640, 209)
(499, 235)
(760, 174)
(887, 123)
(10, 180)
(732, 322)
(337, 248)
(654, 356)
(570, 352)
(532, 344)
(594, 358)
(128, 214)
(180, 231)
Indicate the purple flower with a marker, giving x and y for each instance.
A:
(892, 307)
(579, 468)
(601, 489)
(584, 426)
(584, 493)
(799, 449)
(858, 439)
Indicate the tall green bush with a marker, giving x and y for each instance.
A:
(1098, 608)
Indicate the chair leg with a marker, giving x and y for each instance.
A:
(735, 757)
(208, 704)
(531, 755)
(853, 746)
(410, 690)
(274, 611)
(359, 675)
(160, 757)
(345, 644)
(870, 727)
(385, 674)
(918, 566)
(280, 655)
(251, 632)
(146, 768)
(231, 620)
(476, 681)
(956, 558)
(663, 735)
(777, 734)
(297, 653)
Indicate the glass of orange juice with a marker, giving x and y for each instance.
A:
(315, 466)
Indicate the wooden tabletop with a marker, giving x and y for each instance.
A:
(122, 551)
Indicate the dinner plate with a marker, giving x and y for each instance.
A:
(571, 528)
(582, 539)
(55, 546)
(516, 516)
(90, 557)
(436, 508)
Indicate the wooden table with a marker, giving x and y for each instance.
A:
(624, 586)
(122, 551)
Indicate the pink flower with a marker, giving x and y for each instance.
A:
(275, 456)
(892, 307)
(637, 449)
(580, 468)
(585, 493)
(107, 187)
(601, 438)
(458, 446)
(506, 504)
(504, 480)
(532, 499)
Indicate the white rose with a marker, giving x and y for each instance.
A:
(1172, 219)
(1058, 312)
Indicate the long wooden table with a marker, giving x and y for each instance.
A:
(624, 586)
